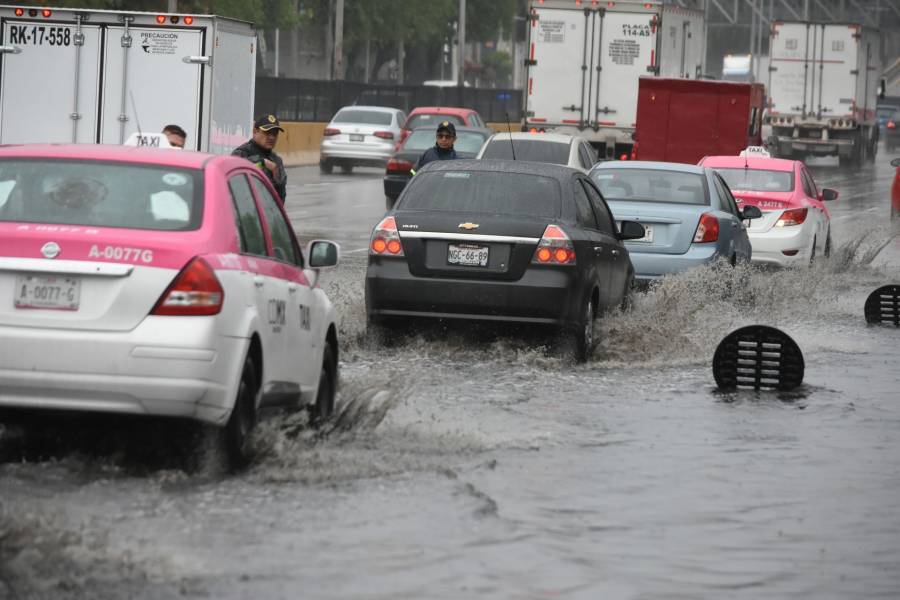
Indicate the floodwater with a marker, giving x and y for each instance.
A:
(472, 464)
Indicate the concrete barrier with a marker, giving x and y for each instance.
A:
(299, 144)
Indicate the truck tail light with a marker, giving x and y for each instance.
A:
(189, 20)
(399, 166)
(46, 13)
(707, 229)
(634, 151)
(792, 217)
(195, 291)
(555, 248)
(386, 239)
(20, 12)
(329, 131)
(161, 19)
(385, 135)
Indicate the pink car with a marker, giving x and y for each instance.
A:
(796, 225)
(156, 282)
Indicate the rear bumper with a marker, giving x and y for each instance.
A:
(167, 366)
(394, 185)
(543, 295)
(769, 246)
(815, 147)
(651, 266)
(374, 155)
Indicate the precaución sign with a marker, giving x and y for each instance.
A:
(159, 42)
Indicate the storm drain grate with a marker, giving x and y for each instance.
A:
(758, 357)
(883, 305)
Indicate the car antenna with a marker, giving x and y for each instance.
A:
(509, 128)
(136, 120)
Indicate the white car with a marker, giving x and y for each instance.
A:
(149, 282)
(556, 148)
(360, 136)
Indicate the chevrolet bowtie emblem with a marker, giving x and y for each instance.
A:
(468, 226)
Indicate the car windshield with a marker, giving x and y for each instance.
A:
(431, 120)
(362, 117)
(101, 194)
(651, 185)
(515, 194)
(467, 142)
(534, 150)
(758, 180)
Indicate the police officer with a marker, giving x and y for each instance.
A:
(443, 147)
(260, 151)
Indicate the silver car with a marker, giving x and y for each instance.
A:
(556, 148)
(360, 136)
(689, 216)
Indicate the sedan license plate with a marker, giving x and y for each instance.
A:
(468, 255)
(48, 292)
(357, 137)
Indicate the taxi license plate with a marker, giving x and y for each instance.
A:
(48, 292)
(356, 137)
(468, 255)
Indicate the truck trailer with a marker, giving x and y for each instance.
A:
(98, 76)
(585, 59)
(823, 88)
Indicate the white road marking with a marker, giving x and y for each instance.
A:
(355, 250)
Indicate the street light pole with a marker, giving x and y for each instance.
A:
(461, 75)
(339, 40)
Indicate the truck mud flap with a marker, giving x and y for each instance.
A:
(883, 306)
(758, 357)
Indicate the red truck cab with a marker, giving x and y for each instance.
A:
(683, 120)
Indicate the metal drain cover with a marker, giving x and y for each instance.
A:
(883, 305)
(758, 357)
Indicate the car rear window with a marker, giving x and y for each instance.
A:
(651, 185)
(757, 180)
(886, 111)
(517, 194)
(466, 141)
(534, 150)
(429, 120)
(363, 117)
(101, 194)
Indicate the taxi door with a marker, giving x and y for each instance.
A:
(301, 352)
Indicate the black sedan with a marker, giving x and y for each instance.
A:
(500, 240)
(468, 143)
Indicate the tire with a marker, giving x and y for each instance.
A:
(326, 167)
(236, 432)
(581, 335)
(812, 252)
(827, 251)
(323, 408)
(346, 169)
(628, 297)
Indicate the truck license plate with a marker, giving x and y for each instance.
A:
(468, 255)
(49, 292)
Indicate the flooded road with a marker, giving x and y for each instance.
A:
(469, 464)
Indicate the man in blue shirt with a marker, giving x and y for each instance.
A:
(443, 147)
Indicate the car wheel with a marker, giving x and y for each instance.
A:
(581, 334)
(242, 420)
(628, 296)
(812, 252)
(326, 167)
(324, 405)
(346, 168)
(828, 243)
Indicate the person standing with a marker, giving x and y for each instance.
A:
(260, 150)
(443, 147)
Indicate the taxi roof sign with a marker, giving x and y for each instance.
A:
(757, 151)
(149, 140)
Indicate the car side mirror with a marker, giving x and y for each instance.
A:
(751, 212)
(323, 254)
(828, 194)
(631, 230)
(895, 162)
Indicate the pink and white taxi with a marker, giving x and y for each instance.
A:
(155, 282)
(795, 226)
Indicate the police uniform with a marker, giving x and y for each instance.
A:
(436, 152)
(256, 154)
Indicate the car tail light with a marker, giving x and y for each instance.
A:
(386, 239)
(707, 229)
(795, 216)
(555, 248)
(385, 135)
(891, 125)
(399, 166)
(195, 291)
(331, 131)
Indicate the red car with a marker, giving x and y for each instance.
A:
(425, 116)
(895, 190)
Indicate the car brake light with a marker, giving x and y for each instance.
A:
(399, 166)
(795, 216)
(386, 239)
(891, 125)
(195, 291)
(385, 135)
(707, 229)
(555, 248)
(331, 131)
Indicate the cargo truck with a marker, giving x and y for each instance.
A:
(585, 58)
(823, 88)
(98, 76)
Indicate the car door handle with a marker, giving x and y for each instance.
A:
(292, 288)
(615, 252)
(259, 281)
(598, 249)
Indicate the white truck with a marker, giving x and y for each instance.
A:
(95, 76)
(823, 88)
(585, 58)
